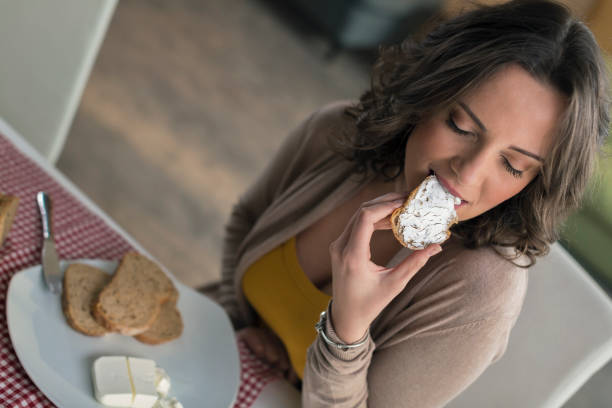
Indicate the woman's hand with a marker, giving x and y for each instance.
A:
(362, 289)
(266, 345)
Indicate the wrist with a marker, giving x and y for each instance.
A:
(347, 329)
(326, 332)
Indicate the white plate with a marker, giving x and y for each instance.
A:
(203, 363)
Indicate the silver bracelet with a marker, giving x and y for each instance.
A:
(320, 327)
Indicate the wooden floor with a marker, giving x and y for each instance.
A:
(186, 103)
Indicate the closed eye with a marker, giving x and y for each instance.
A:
(453, 126)
(514, 172)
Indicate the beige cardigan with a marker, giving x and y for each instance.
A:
(436, 337)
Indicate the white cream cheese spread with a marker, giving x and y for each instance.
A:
(427, 217)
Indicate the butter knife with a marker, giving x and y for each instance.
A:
(50, 260)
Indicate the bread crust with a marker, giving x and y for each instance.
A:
(141, 301)
(103, 319)
(83, 287)
(8, 209)
(75, 305)
(168, 326)
(395, 219)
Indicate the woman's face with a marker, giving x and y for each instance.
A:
(490, 144)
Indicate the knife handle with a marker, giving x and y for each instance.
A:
(44, 205)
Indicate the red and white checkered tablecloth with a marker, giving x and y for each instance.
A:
(79, 233)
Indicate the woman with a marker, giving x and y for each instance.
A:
(507, 105)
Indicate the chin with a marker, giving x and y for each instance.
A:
(462, 215)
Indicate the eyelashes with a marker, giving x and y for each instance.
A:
(451, 124)
(506, 163)
(514, 172)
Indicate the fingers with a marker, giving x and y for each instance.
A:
(389, 201)
(387, 197)
(277, 355)
(292, 377)
(414, 262)
(252, 339)
(383, 224)
(266, 346)
(365, 224)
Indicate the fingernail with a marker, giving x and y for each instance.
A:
(437, 249)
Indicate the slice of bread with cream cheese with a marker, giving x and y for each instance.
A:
(426, 216)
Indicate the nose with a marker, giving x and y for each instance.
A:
(470, 167)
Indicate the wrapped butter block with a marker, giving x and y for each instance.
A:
(121, 381)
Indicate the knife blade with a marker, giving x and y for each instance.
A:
(50, 259)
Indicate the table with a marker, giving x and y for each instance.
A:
(82, 230)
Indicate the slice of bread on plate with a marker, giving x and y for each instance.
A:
(82, 284)
(168, 326)
(8, 209)
(131, 302)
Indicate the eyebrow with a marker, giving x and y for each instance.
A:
(526, 153)
(473, 116)
(484, 129)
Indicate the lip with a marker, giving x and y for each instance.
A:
(450, 189)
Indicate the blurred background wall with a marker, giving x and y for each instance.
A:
(188, 100)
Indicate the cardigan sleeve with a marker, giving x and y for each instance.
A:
(428, 370)
(432, 348)
(300, 149)
(333, 377)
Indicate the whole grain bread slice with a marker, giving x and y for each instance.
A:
(132, 300)
(8, 209)
(82, 284)
(168, 326)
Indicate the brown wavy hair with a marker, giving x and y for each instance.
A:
(422, 76)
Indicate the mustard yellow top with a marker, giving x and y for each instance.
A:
(286, 300)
